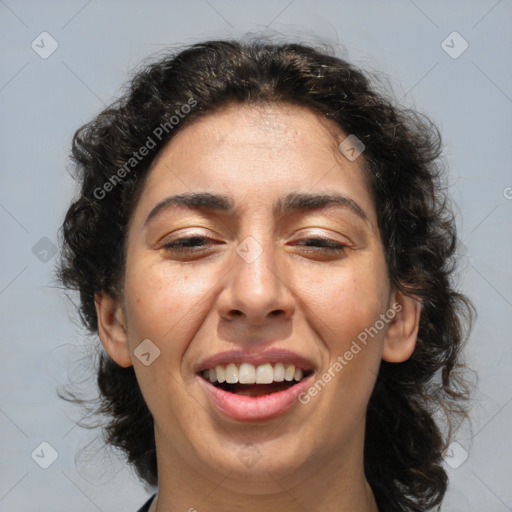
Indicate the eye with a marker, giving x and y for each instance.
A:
(322, 244)
(198, 243)
(195, 243)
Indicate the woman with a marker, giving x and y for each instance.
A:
(262, 245)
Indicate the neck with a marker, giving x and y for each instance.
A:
(330, 487)
(282, 502)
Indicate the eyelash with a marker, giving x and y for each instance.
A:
(179, 245)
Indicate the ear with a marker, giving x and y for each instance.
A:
(402, 333)
(112, 329)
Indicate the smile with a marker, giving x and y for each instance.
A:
(250, 380)
(244, 391)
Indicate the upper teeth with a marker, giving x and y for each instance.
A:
(247, 373)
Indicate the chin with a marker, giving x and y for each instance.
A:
(255, 469)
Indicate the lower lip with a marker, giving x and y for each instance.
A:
(248, 408)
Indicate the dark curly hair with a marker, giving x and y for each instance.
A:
(402, 162)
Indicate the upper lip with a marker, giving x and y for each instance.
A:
(272, 355)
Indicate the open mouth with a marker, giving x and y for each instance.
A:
(254, 381)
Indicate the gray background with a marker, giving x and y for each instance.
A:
(43, 101)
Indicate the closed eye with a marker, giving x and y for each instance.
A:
(198, 243)
(189, 244)
(325, 244)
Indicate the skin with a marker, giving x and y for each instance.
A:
(194, 305)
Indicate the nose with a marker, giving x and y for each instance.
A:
(257, 286)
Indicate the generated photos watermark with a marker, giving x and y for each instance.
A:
(151, 142)
(343, 360)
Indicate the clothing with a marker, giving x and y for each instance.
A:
(146, 505)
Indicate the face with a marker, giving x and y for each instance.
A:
(273, 273)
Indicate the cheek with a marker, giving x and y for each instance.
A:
(165, 305)
(348, 302)
(167, 308)
(357, 301)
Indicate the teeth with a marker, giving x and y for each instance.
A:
(247, 373)
(279, 372)
(221, 374)
(289, 373)
(231, 373)
(264, 374)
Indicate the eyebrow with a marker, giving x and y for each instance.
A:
(292, 202)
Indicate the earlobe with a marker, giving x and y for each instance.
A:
(402, 333)
(112, 329)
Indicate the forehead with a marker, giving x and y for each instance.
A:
(282, 127)
(256, 153)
